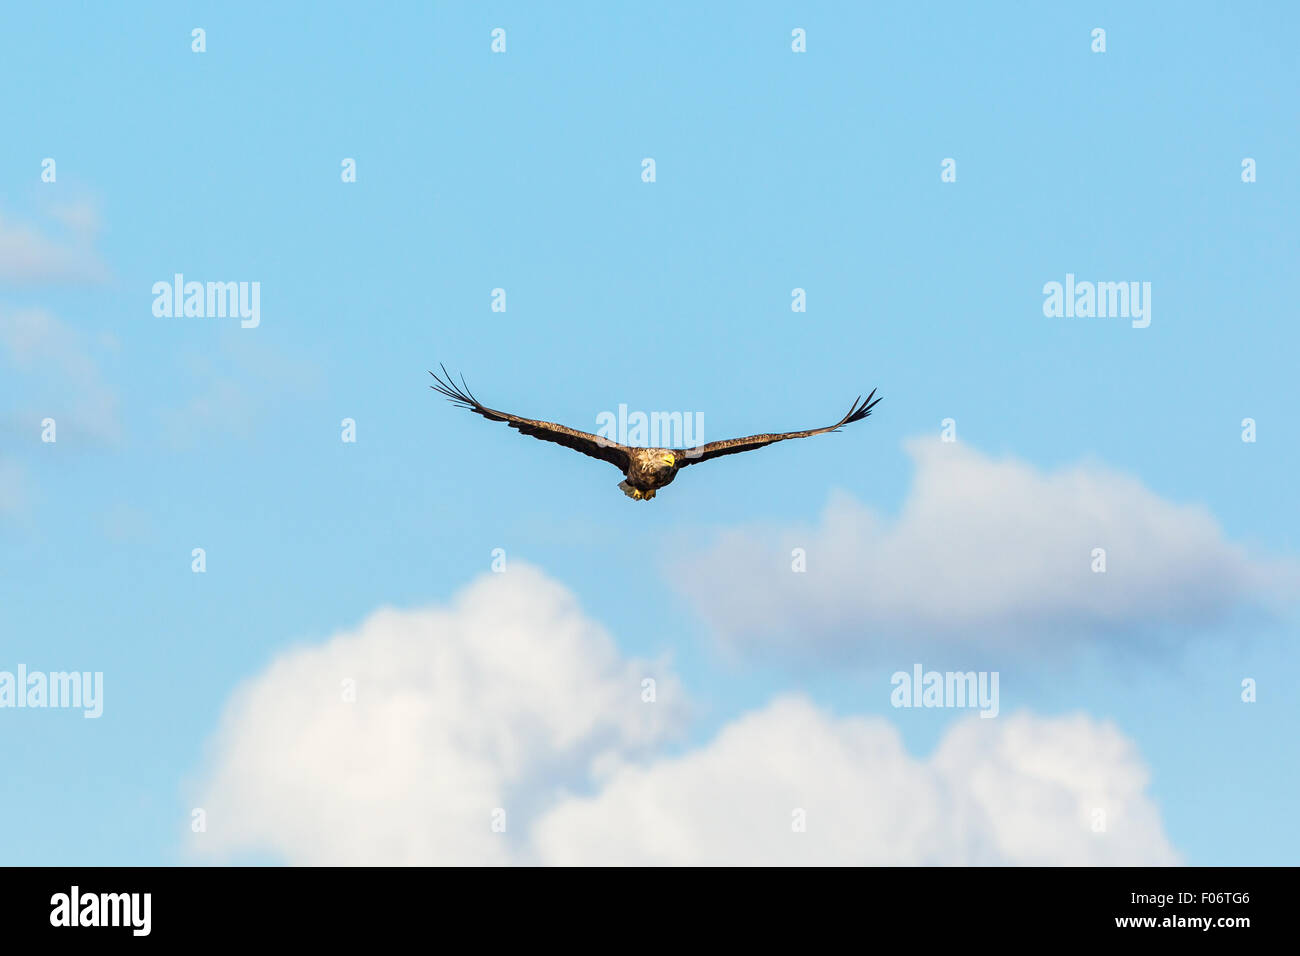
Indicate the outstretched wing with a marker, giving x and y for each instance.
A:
(732, 446)
(592, 445)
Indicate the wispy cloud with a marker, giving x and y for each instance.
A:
(231, 387)
(81, 217)
(30, 257)
(59, 375)
(13, 493)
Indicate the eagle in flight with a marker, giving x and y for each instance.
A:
(645, 470)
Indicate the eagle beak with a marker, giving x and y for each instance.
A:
(669, 459)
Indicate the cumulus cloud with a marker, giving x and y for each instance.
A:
(790, 785)
(491, 703)
(984, 550)
(512, 698)
(28, 256)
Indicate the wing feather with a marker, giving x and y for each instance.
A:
(591, 445)
(733, 446)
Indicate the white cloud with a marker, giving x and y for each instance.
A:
(983, 550)
(490, 703)
(1020, 790)
(30, 257)
(512, 698)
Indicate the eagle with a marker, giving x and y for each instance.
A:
(645, 470)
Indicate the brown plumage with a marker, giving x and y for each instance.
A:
(645, 470)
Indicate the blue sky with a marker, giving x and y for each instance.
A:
(522, 171)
